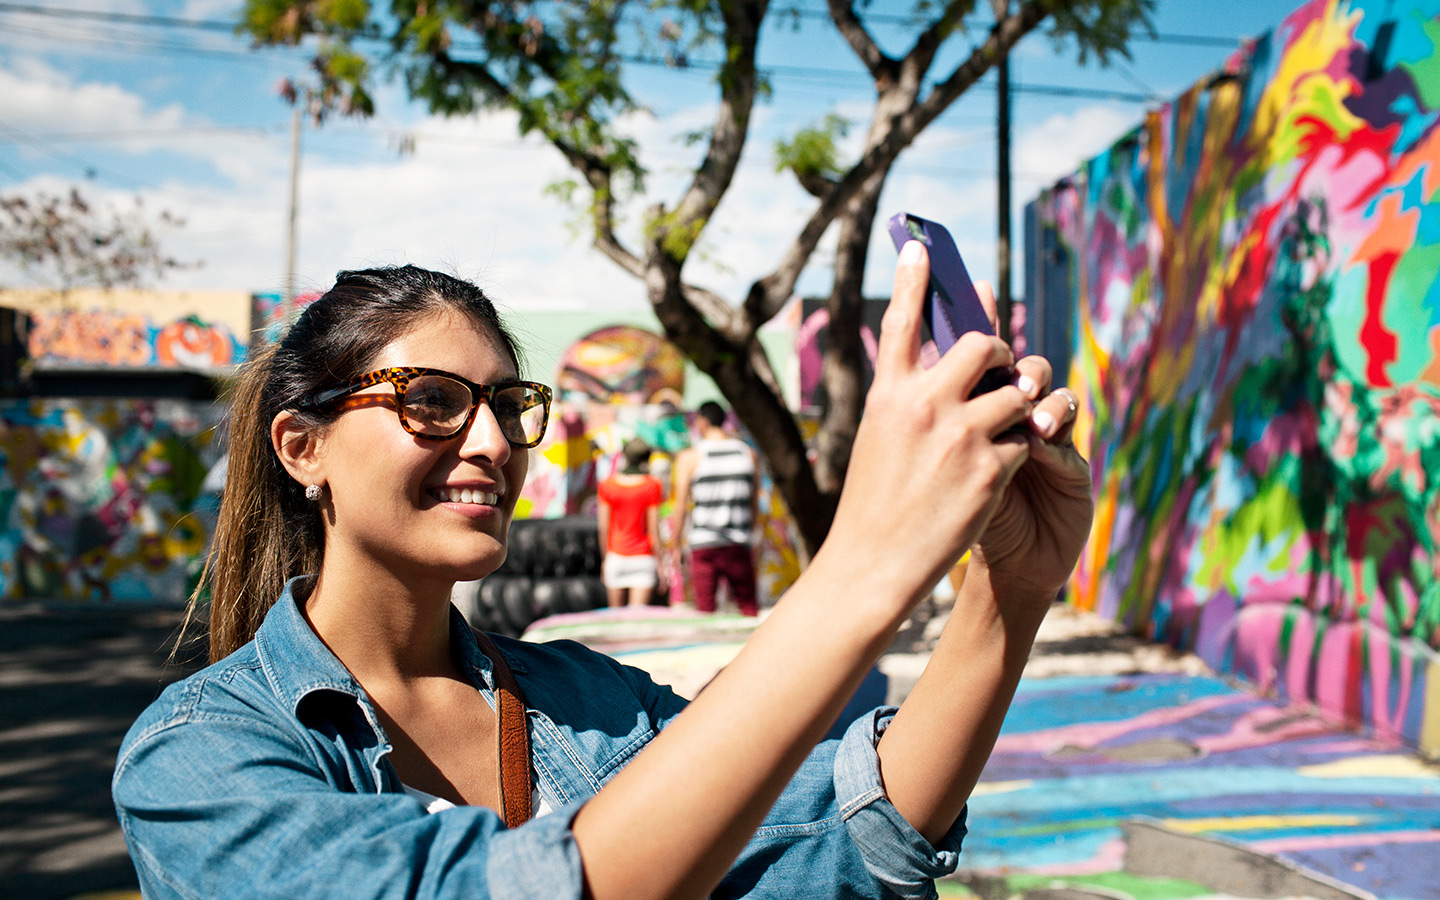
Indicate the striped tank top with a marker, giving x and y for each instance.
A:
(721, 486)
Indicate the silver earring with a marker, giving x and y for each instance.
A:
(312, 492)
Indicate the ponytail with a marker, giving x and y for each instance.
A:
(259, 544)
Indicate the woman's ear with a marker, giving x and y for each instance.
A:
(299, 448)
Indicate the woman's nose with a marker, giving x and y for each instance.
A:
(484, 438)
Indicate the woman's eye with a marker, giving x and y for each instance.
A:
(429, 400)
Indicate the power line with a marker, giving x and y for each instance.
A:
(89, 169)
(1197, 40)
(114, 17)
(101, 137)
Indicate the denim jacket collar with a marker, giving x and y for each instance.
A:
(297, 663)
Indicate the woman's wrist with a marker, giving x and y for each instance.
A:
(877, 595)
(1016, 600)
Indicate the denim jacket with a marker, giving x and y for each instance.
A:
(265, 775)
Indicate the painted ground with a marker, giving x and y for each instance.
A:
(1214, 791)
(1197, 756)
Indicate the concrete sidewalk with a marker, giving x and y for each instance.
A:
(72, 679)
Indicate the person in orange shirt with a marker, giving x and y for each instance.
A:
(629, 521)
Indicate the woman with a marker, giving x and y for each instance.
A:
(346, 742)
(628, 518)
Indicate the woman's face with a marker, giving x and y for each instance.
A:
(419, 508)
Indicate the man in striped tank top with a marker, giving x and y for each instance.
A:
(715, 488)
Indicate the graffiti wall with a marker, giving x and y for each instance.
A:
(105, 499)
(1252, 285)
(134, 329)
(272, 313)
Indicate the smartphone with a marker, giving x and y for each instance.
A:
(953, 307)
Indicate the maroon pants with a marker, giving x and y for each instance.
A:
(731, 563)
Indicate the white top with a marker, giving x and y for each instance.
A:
(722, 486)
(434, 804)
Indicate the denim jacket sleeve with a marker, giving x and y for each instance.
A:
(247, 810)
(834, 832)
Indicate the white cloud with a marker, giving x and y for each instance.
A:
(35, 97)
(1058, 145)
(211, 10)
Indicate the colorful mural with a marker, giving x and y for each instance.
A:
(126, 328)
(621, 364)
(102, 338)
(105, 499)
(271, 314)
(1252, 281)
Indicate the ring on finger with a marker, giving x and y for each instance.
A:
(1070, 399)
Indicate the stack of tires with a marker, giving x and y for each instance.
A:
(553, 566)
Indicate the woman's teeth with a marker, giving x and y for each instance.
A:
(466, 495)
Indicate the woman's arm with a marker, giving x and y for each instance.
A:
(680, 474)
(933, 752)
(925, 476)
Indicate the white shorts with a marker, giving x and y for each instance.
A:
(628, 571)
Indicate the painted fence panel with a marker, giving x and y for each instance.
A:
(1252, 283)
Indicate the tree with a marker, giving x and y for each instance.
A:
(70, 241)
(560, 66)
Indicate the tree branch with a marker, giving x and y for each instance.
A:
(598, 174)
(890, 135)
(1004, 36)
(732, 123)
(859, 39)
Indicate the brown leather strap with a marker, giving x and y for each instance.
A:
(514, 738)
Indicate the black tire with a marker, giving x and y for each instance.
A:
(517, 604)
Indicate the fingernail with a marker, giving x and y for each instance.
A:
(910, 253)
(1044, 422)
(1027, 386)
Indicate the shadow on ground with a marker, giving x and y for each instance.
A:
(72, 679)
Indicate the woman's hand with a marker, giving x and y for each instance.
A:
(929, 466)
(1042, 520)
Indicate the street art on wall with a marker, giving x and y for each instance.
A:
(1252, 280)
(105, 499)
(621, 364)
(64, 337)
(272, 313)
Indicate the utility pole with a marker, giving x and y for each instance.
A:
(296, 123)
(1003, 298)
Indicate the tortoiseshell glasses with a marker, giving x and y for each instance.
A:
(436, 405)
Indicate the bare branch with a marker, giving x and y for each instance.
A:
(598, 174)
(738, 83)
(859, 39)
(889, 137)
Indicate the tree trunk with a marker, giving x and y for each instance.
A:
(742, 373)
(844, 362)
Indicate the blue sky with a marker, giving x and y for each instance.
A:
(189, 119)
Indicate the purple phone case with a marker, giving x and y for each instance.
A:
(954, 307)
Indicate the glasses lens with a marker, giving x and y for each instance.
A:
(436, 405)
(521, 412)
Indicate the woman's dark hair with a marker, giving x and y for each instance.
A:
(637, 456)
(267, 531)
